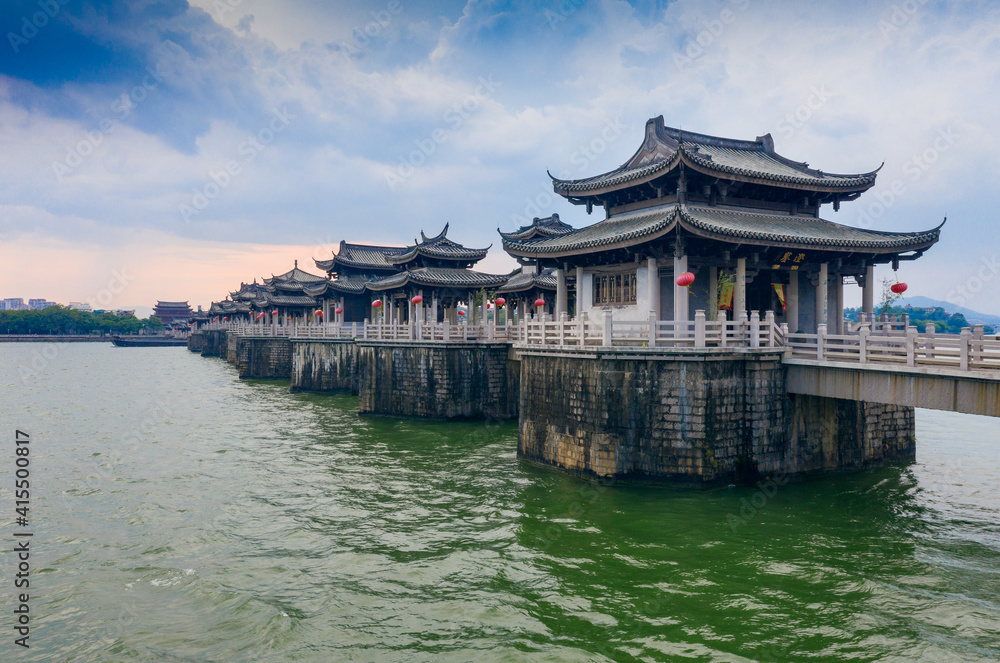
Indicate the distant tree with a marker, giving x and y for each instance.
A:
(888, 296)
(56, 320)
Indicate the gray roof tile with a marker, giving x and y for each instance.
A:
(723, 223)
(664, 148)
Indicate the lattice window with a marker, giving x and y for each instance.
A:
(611, 289)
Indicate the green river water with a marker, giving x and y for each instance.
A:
(180, 514)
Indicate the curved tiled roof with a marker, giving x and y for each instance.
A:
(295, 274)
(800, 230)
(664, 148)
(438, 277)
(519, 281)
(547, 227)
(438, 247)
(234, 307)
(352, 284)
(627, 228)
(730, 224)
(361, 256)
(273, 299)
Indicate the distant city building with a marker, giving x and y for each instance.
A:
(14, 304)
(80, 306)
(39, 304)
(171, 312)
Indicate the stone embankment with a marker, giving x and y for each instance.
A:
(706, 416)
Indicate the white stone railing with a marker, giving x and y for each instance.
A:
(970, 350)
(257, 329)
(750, 332)
(445, 332)
(886, 325)
(966, 351)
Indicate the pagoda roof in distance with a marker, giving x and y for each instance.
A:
(295, 274)
(362, 256)
(160, 304)
(439, 247)
(444, 277)
(737, 225)
(667, 148)
(520, 281)
(547, 227)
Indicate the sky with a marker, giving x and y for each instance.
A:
(164, 149)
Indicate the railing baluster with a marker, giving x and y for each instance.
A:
(966, 341)
(911, 345)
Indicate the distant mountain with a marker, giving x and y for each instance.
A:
(974, 317)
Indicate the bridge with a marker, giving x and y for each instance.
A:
(880, 361)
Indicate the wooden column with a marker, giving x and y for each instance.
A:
(653, 276)
(822, 302)
(838, 304)
(740, 289)
(792, 302)
(579, 292)
(713, 293)
(868, 291)
(434, 309)
(680, 292)
(560, 291)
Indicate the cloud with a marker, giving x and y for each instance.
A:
(371, 91)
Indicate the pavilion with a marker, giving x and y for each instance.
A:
(350, 269)
(531, 282)
(439, 271)
(744, 220)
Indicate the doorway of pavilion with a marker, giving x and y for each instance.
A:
(763, 296)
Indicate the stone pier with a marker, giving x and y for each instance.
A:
(264, 358)
(436, 380)
(232, 348)
(706, 417)
(327, 365)
(196, 341)
(209, 342)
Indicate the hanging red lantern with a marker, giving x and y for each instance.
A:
(319, 314)
(417, 299)
(898, 288)
(488, 306)
(377, 303)
(226, 319)
(685, 279)
(461, 312)
(539, 302)
(260, 315)
(500, 301)
(339, 310)
(274, 312)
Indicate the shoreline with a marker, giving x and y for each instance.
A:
(53, 338)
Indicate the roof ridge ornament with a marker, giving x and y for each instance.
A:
(767, 141)
(441, 235)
